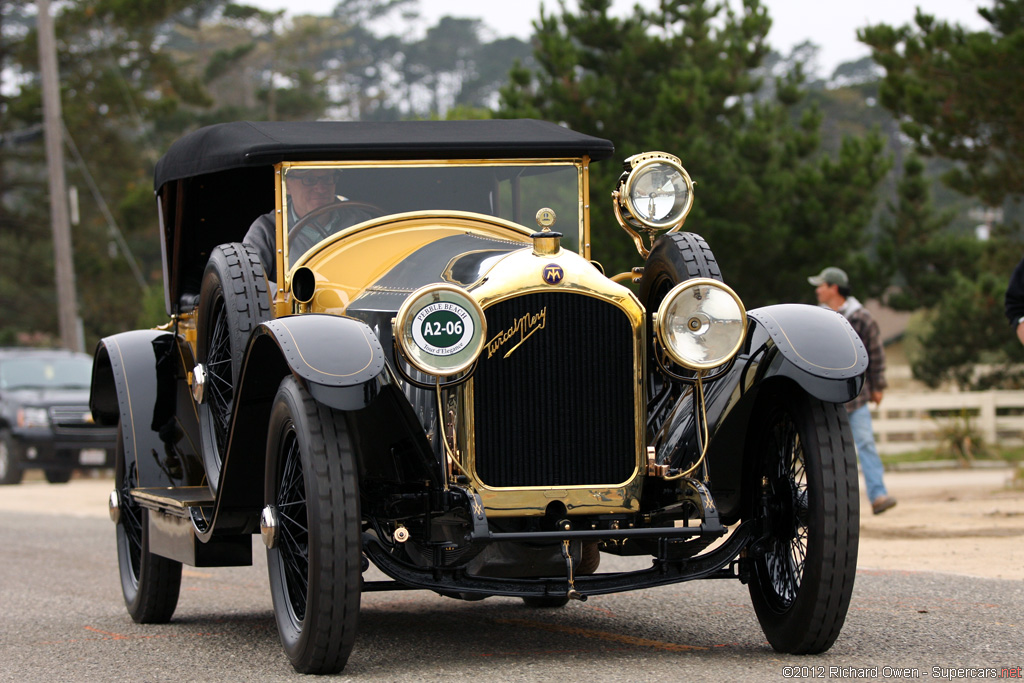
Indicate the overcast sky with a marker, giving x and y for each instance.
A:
(831, 24)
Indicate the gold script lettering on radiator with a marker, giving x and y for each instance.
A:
(521, 330)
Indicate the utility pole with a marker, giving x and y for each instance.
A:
(64, 267)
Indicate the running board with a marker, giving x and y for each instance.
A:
(173, 500)
(173, 513)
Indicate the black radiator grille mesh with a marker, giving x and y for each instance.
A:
(558, 411)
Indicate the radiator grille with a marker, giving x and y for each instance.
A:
(559, 409)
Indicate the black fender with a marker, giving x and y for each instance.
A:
(137, 380)
(811, 347)
(341, 363)
(814, 346)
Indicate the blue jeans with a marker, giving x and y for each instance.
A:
(870, 463)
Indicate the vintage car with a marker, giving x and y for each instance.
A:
(45, 421)
(388, 344)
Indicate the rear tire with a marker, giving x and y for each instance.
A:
(58, 476)
(806, 496)
(316, 564)
(10, 469)
(150, 583)
(233, 300)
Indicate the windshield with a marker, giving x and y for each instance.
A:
(322, 200)
(45, 373)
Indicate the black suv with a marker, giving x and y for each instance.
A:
(45, 420)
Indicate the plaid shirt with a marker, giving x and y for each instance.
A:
(1015, 296)
(867, 329)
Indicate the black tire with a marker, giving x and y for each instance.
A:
(315, 566)
(10, 469)
(806, 494)
(233, 300)
(150, 583)
(58, 476)
(674, 258)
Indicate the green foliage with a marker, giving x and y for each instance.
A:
(960, 438)
(223, 60)
(152, 312)
(917, 247)
(682, 79)
(965, 339)
(958, 94)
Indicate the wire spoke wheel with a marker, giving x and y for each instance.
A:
(315, 565)
(233, 300)
(293, 528)
(805, 496)
(218, 375)
(150, 583)
(786, 495)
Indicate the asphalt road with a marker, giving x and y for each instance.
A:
(62, 619)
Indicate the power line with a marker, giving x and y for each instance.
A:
(115, 231)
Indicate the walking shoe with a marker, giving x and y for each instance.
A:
(882, 503)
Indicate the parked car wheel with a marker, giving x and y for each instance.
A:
(10, 468)
(315, 565)
(233, 300)
(808, 499)
(58, 476)
(150, 583)
(674, 258)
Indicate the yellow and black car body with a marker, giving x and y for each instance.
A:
(443, 383)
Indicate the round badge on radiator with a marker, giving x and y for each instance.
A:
(440, 329)
(443, 328)
(553, 273)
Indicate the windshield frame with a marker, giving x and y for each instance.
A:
(575, 230)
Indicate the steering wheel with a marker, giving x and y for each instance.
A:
(323, 226)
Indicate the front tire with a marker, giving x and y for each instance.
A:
(807, 500)
(150, 583)
(315, 565)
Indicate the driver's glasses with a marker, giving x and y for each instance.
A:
(314, 180)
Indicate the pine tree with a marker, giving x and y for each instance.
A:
(683, 79)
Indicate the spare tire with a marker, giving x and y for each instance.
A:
(674, 258)
(233, 300)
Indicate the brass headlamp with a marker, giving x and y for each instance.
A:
(654, 196)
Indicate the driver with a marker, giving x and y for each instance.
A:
(308, 190)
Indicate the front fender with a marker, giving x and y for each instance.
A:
(339, 359)
(816, 347)
(342, 365)
(787, 344)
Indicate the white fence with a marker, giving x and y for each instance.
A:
(910, 421)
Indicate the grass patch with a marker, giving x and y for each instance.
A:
(1008, 455)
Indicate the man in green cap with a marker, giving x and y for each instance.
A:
(832, 287)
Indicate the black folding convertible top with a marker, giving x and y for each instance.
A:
(245, 143)
(213, 182)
